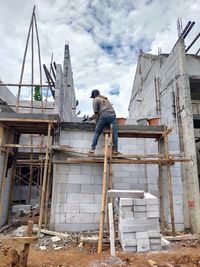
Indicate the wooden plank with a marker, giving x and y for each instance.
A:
(115, 193)
(111, 229)
(24, 239)
(104, 184)
(170, 186)
(3, 183)
(120, 161)
(53, 233)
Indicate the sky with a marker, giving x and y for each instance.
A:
(104, 36)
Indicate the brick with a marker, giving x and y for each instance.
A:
(79, 218)
(139, 225)
(126, 208)
(141, 214)
(91, 188)
(155, 247)
(139, 202)
(80, 198)
(73, 188)
(71, 208)
(126, 214)
(155, 241)
(142, 235)
(139, 208)
(129, 248)
(153, 207)
(153, 214)
(154, 234)
(90, 208)
(125, 202)
(143, 245)
(126, 193)
(80, 179)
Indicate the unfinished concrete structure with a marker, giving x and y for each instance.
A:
(167, 86)
(23, 138)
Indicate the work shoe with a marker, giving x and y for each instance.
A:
(115, 152)
(91, 151)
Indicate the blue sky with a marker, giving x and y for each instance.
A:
(105, 38)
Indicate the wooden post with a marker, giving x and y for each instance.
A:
(25, 252)
(100, 242)
(111, 229)
(110, 171)
(169, 185)
(31, 172)
(48, 190)
(160, 186)
(44, 180)
(3, 183)
(11, 188)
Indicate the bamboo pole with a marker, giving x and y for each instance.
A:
(44, 180)
(3, 183)
(110, 171)
(100, 242)
(48, 189)
(24, 58)
(160, 182)
(170, 186)
(39, 59)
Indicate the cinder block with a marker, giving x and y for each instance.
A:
(141, 214)
(126, 208)
(153, 207)
(80, 179)
(98, 198)
(91, 188)
(142, 235)
(125, 202)
(90, 208)
(139, 202)
(70, 208)
(73, 188)
(155, 247)
(154, 234)
(138, 225)
(155, 241)
(139, 208)
(143, 245)
(79, 218)
(129, 248)
(126, 214)
(153, 214)
(80, 198)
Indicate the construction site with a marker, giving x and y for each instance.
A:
(60, 206)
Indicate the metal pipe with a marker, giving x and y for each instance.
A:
(198, 35)
(185, 29)
(198, 52)
(23, 85)
(188, 30)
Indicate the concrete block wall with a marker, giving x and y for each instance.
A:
(166, 71)
(77, 188)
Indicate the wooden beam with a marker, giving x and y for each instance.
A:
(120, 161)
(25, 252)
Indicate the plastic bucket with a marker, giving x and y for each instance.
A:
(142, 121)
(121, 121)
(154, 121)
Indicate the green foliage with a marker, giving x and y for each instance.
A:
(37, 95)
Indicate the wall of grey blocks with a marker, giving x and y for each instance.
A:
(77, 188)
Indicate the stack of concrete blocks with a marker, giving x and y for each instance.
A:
(139, 229)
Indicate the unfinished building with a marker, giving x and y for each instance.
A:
(44, 149)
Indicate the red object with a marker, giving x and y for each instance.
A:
(191, 204)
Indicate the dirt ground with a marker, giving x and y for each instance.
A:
(179, 254)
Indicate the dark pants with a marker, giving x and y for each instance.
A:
(102, 123)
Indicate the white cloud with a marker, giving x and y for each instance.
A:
(121, 26)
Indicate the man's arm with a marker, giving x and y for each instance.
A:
(94, 116)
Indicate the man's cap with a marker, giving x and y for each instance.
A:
(95, 93)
